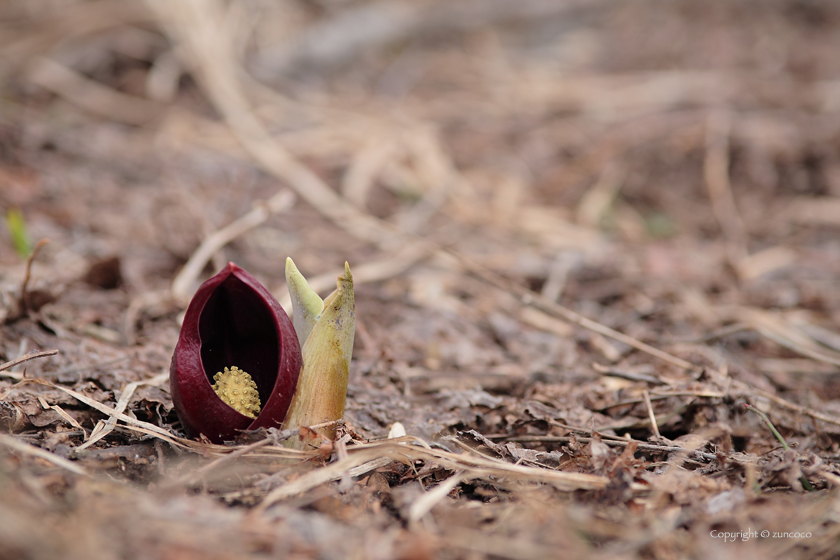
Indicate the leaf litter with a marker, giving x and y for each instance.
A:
(595, 254)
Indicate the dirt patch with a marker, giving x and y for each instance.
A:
(596, 258)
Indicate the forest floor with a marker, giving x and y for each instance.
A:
(596, 248)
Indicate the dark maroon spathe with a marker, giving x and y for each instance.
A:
(233, 320)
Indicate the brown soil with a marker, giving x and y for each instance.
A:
(597, 258)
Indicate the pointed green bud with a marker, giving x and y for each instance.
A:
(306, 304)
(322, 386)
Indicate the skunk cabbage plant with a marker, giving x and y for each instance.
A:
(238, 363)
(326, 330)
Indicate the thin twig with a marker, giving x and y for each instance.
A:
(25, 358)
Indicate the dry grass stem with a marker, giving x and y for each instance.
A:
(184, 283)
(125, 396)
(427, 501)
(651, 415)
(92, 96)
(34, 354)
(202, 31)
(531, 298)
(27, 449)
(474, 467)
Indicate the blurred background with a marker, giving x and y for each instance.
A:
(670, 170)
(664, 162)
(536, 136)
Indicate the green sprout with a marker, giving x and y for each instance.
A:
(805, 483)
(16, 224)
